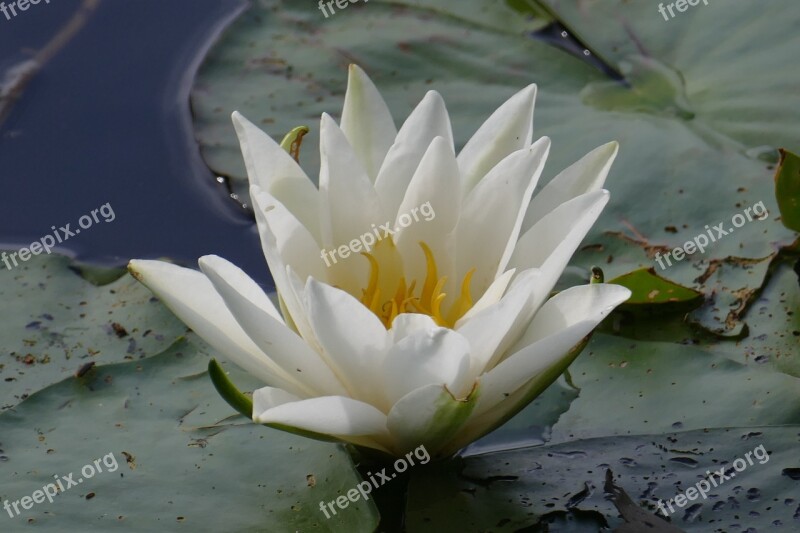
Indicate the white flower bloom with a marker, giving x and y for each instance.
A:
(443, 330)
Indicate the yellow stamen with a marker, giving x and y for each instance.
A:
(429, 302)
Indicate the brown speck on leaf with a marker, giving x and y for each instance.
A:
(130, 459)
(671, 229)
(90, 495)
(83, 370)
(311, 480)
(119, 330)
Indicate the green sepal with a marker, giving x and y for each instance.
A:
(228, 390)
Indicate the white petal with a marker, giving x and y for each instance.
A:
(428, 121)
(430, 212)
(559, 325)
(256, 314)
(488, 329)
(366, 121)
(429, 417)
(438, 356)
(276, 172)
(263, 206)
(269, 397)
(586, 175)
(334, 416)
(406, 324)
(492, 214)
(191, 296)
(350, 206)
(353, 339)
(550, 243)
(295, 244)
(510, 128)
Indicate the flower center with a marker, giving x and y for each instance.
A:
(406, 299)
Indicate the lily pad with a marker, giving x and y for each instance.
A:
(649, 289)
(519, 489)
(55, 322)
(632, 387)
(773, 339)
(185, 459)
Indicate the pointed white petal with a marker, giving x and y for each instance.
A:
(350, 206)
(586, 175)
(428, 121)
(191, 296)
(338, 417)
(550, 243)
(366, 121)
(429, 213)
(510, 128)
(295, 244)
(352, 338)
(488, 329)
(428, 416)
(438, 356)
(492, 215)
(559, 325)
(263, 206)
(276, 172)
(256, 314)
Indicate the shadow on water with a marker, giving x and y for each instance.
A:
(107, 120)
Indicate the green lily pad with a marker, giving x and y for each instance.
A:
(518, 489)
(787, 189)
(185, 459)
(773, 339)
(56, 322)
(690, 125)
(648, 289)
(632, 387)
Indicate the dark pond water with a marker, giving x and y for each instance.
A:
(107, 120)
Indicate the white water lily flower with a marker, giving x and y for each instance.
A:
(440, 332)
